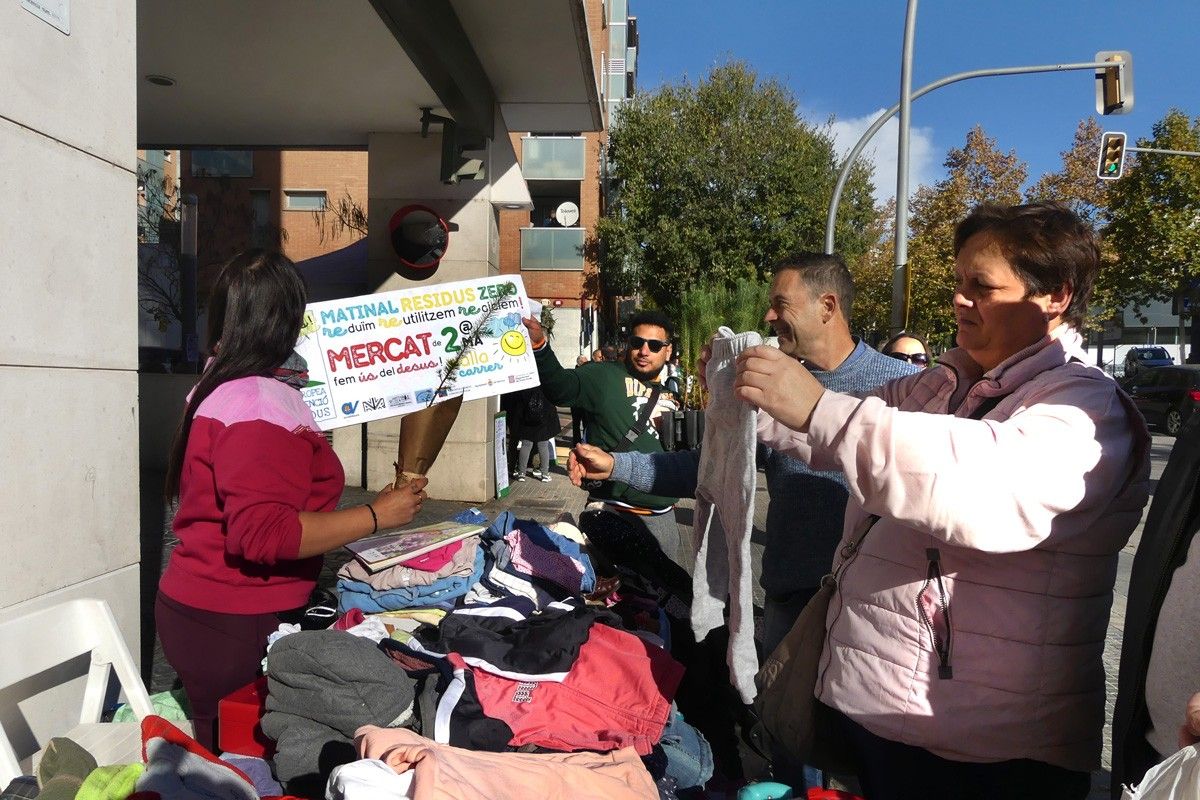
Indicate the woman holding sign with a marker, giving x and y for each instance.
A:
(257, 484)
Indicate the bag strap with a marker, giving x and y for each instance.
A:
(848, 552)
(639, 427)
(980, 411)
(642, 423)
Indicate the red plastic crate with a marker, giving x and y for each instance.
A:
(239, 715)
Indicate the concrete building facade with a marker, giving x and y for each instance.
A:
(68, 352)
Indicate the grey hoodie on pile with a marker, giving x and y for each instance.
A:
(324, 685)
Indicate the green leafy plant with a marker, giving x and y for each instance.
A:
(546, 318)
(702, 311)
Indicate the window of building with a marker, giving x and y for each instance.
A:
(222, 163)
(304, 199)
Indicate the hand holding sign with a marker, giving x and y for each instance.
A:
(537, 335)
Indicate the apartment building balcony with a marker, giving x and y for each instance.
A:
(553, 158)
(552, 248)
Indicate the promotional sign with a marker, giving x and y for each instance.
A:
(384, 355)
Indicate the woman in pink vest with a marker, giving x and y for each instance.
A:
(257, 485)
(991, 493)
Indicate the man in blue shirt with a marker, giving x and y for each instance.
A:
(811, 297)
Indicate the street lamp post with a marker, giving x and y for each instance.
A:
(899, 320)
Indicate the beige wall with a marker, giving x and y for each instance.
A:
(403, 170)
(68, 346)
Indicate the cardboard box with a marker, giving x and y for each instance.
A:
(238, 721)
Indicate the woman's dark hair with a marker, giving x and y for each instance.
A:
(887, 346)
(1047, 244)
(255, 310)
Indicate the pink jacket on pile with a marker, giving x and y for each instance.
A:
(443, 772)
(972, 621)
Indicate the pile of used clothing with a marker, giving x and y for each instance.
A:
(173, 766)
(524, 659)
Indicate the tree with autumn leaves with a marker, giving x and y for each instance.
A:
(717, 180)
(1148, 223)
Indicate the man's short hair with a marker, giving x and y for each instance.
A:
(822, 273)
(651, 316)
(611, 353)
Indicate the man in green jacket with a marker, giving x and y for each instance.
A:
(611, 396)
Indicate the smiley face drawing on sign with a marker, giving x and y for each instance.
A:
(309, 325)
(513, 343)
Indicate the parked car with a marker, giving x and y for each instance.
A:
(1138, 359)
(1167, 396)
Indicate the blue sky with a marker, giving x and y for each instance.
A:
(842, 59)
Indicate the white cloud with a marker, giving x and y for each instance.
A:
(881, 151)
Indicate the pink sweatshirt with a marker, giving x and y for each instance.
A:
(254, 461)
(972, 621)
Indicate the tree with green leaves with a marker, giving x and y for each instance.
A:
(1153, 217)
(872, 273)
(716, 181)
(978, 172)
(1076, 186)
(704, 309)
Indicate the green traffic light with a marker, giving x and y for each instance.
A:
(1112, 167)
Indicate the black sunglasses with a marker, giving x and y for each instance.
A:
(913, 358)
(636, 342)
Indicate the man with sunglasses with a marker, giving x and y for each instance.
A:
(611, 397)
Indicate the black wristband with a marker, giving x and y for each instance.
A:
(374, 519)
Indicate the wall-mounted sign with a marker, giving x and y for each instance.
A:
(55, 12)
(567, 214)
(384, 355)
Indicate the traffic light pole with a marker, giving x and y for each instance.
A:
(1192, 153)
(900, 276)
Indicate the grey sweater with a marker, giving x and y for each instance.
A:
(804, 519)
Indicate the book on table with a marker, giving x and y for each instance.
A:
(383, 550)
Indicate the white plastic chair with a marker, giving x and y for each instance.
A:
(40, 640)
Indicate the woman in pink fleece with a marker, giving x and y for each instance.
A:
(257, 485)
(963, 656)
